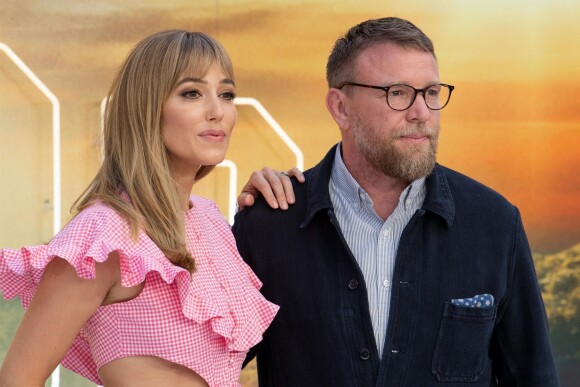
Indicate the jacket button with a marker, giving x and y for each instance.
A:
(365, 354)
(352, 284)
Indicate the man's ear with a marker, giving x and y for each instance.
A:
(336, 103)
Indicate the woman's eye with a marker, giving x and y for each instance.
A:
(191, 94)
(229, 96)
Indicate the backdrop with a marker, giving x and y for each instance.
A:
(513, 122)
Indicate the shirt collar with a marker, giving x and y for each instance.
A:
(344, 184)
(438, 197)
(356, 196)
(415, 190)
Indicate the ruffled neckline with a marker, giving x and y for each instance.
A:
(240, 315)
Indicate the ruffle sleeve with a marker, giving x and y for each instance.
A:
(225, 293)
(89, 238)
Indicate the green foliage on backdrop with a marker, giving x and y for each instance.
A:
(559, 277)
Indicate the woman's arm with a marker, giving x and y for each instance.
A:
(60, 307)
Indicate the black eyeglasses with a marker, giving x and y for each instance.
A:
(400, 97)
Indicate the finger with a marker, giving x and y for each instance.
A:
(275, 179)
(245, 199)
(258, 185)
(267, 183)
(297, 173)
(287, 186)
(273, 190)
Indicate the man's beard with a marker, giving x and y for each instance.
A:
(381, 152)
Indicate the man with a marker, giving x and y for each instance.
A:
(390, 269)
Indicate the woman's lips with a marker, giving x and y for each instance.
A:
(213, 135)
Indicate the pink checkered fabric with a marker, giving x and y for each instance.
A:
(206, 322)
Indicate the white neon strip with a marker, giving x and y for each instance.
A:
(233, 188)
(103, 106)
(55, 130)
(55, 151)
(277, 128)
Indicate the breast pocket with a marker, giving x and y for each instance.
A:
(462, 343)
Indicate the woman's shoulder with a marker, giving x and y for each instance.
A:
(100, 211)
(202, 203)
(96, 219)
(205, 207)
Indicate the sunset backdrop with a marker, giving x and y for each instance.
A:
(513, 122)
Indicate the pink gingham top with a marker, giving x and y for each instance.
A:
(206, 322)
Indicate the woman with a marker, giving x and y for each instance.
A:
(145, 286)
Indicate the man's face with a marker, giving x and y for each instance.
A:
(400, 144)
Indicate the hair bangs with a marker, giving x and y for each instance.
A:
(199, 52)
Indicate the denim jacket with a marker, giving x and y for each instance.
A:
(465, 240)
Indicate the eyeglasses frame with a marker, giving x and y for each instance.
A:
(416, 91)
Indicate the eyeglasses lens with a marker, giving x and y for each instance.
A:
(401, 97)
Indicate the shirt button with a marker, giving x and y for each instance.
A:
(352, 284)
(386, 283)
(365, 354)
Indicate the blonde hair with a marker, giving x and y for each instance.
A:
(135, 158)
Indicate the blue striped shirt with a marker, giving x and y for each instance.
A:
(372, 241)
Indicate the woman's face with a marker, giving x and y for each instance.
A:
(198, 120)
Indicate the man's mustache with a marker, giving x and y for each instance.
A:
(415, 130)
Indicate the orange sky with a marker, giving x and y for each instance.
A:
(513, 122)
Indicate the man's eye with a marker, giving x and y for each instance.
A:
(229, 96)
(434, 92)
(397, 93)
(191, 94)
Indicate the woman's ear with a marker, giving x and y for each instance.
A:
(336, 103)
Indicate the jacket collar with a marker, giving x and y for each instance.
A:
(317, 191)
(438, 199)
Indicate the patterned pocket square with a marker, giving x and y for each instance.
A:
(478, 301)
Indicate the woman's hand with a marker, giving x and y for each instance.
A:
(274, 185)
